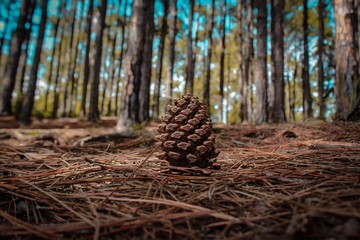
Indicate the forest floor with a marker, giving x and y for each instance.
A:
(72, 179)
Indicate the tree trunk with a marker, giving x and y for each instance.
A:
(65, 110)
(120, 60)
(11, 68)
(242, 80)
(26, 53)
(347, 89)
(261, 67)
(113, 68)
(172, 39)
(57, 76)
(107, 69)
(209, 56)
(189, 84)
(94, 94)
(87, 59)
(277, 37)
(56, 28)
(292, 103)
(156, 107)
(146, 66)
(249, 63)
(322, 107)
(28, 102)
(6, 25)
(73, 81)
(307, 100)
(222, 61)
(131, 111)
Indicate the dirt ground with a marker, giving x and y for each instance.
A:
(71, 179)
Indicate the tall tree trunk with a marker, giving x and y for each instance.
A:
(6, 25)
(347, 89)
(307, 100)
(123, 25)
(242, 78)
(277, 37)
(222, 61)
(28, 102)
(106, 68)
(56, 28)
(131, 111)
(146, 66)
(112, 78)
(87, 59)
(189, 83)
(73, 81)
(94, 94)
(11, 68)
(322, 107)
(261, 67)
(65, 110)
(209, 57)
(172, 39)
(26, 52)
(57, 75)
(292, 103)
(248, 63)
(156, 107)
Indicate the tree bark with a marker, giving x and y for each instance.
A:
(322, 107)
(112, 78)
(249, 62)
(131, 111)
(6, 25)
(156, 106)
(172, 40)
(242, 80)
(222, 61)
(307, 99)
(11, 68)
(146, 66)
(189, 83)
(56, 28)
(87, 59)
(57, 76)
(261, 67)
(123, 25)
(28, 102)
(64, 109)
(94, 94)
(73, 80)
(277, 37)
(347, 89)
(209, 57)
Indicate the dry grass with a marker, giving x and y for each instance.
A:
(288, 182)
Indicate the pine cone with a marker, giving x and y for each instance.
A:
(186, 134)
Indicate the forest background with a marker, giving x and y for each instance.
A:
(249, 61)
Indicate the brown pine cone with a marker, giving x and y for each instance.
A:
(186, 134)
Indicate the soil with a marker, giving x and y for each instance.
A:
(72, 179)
